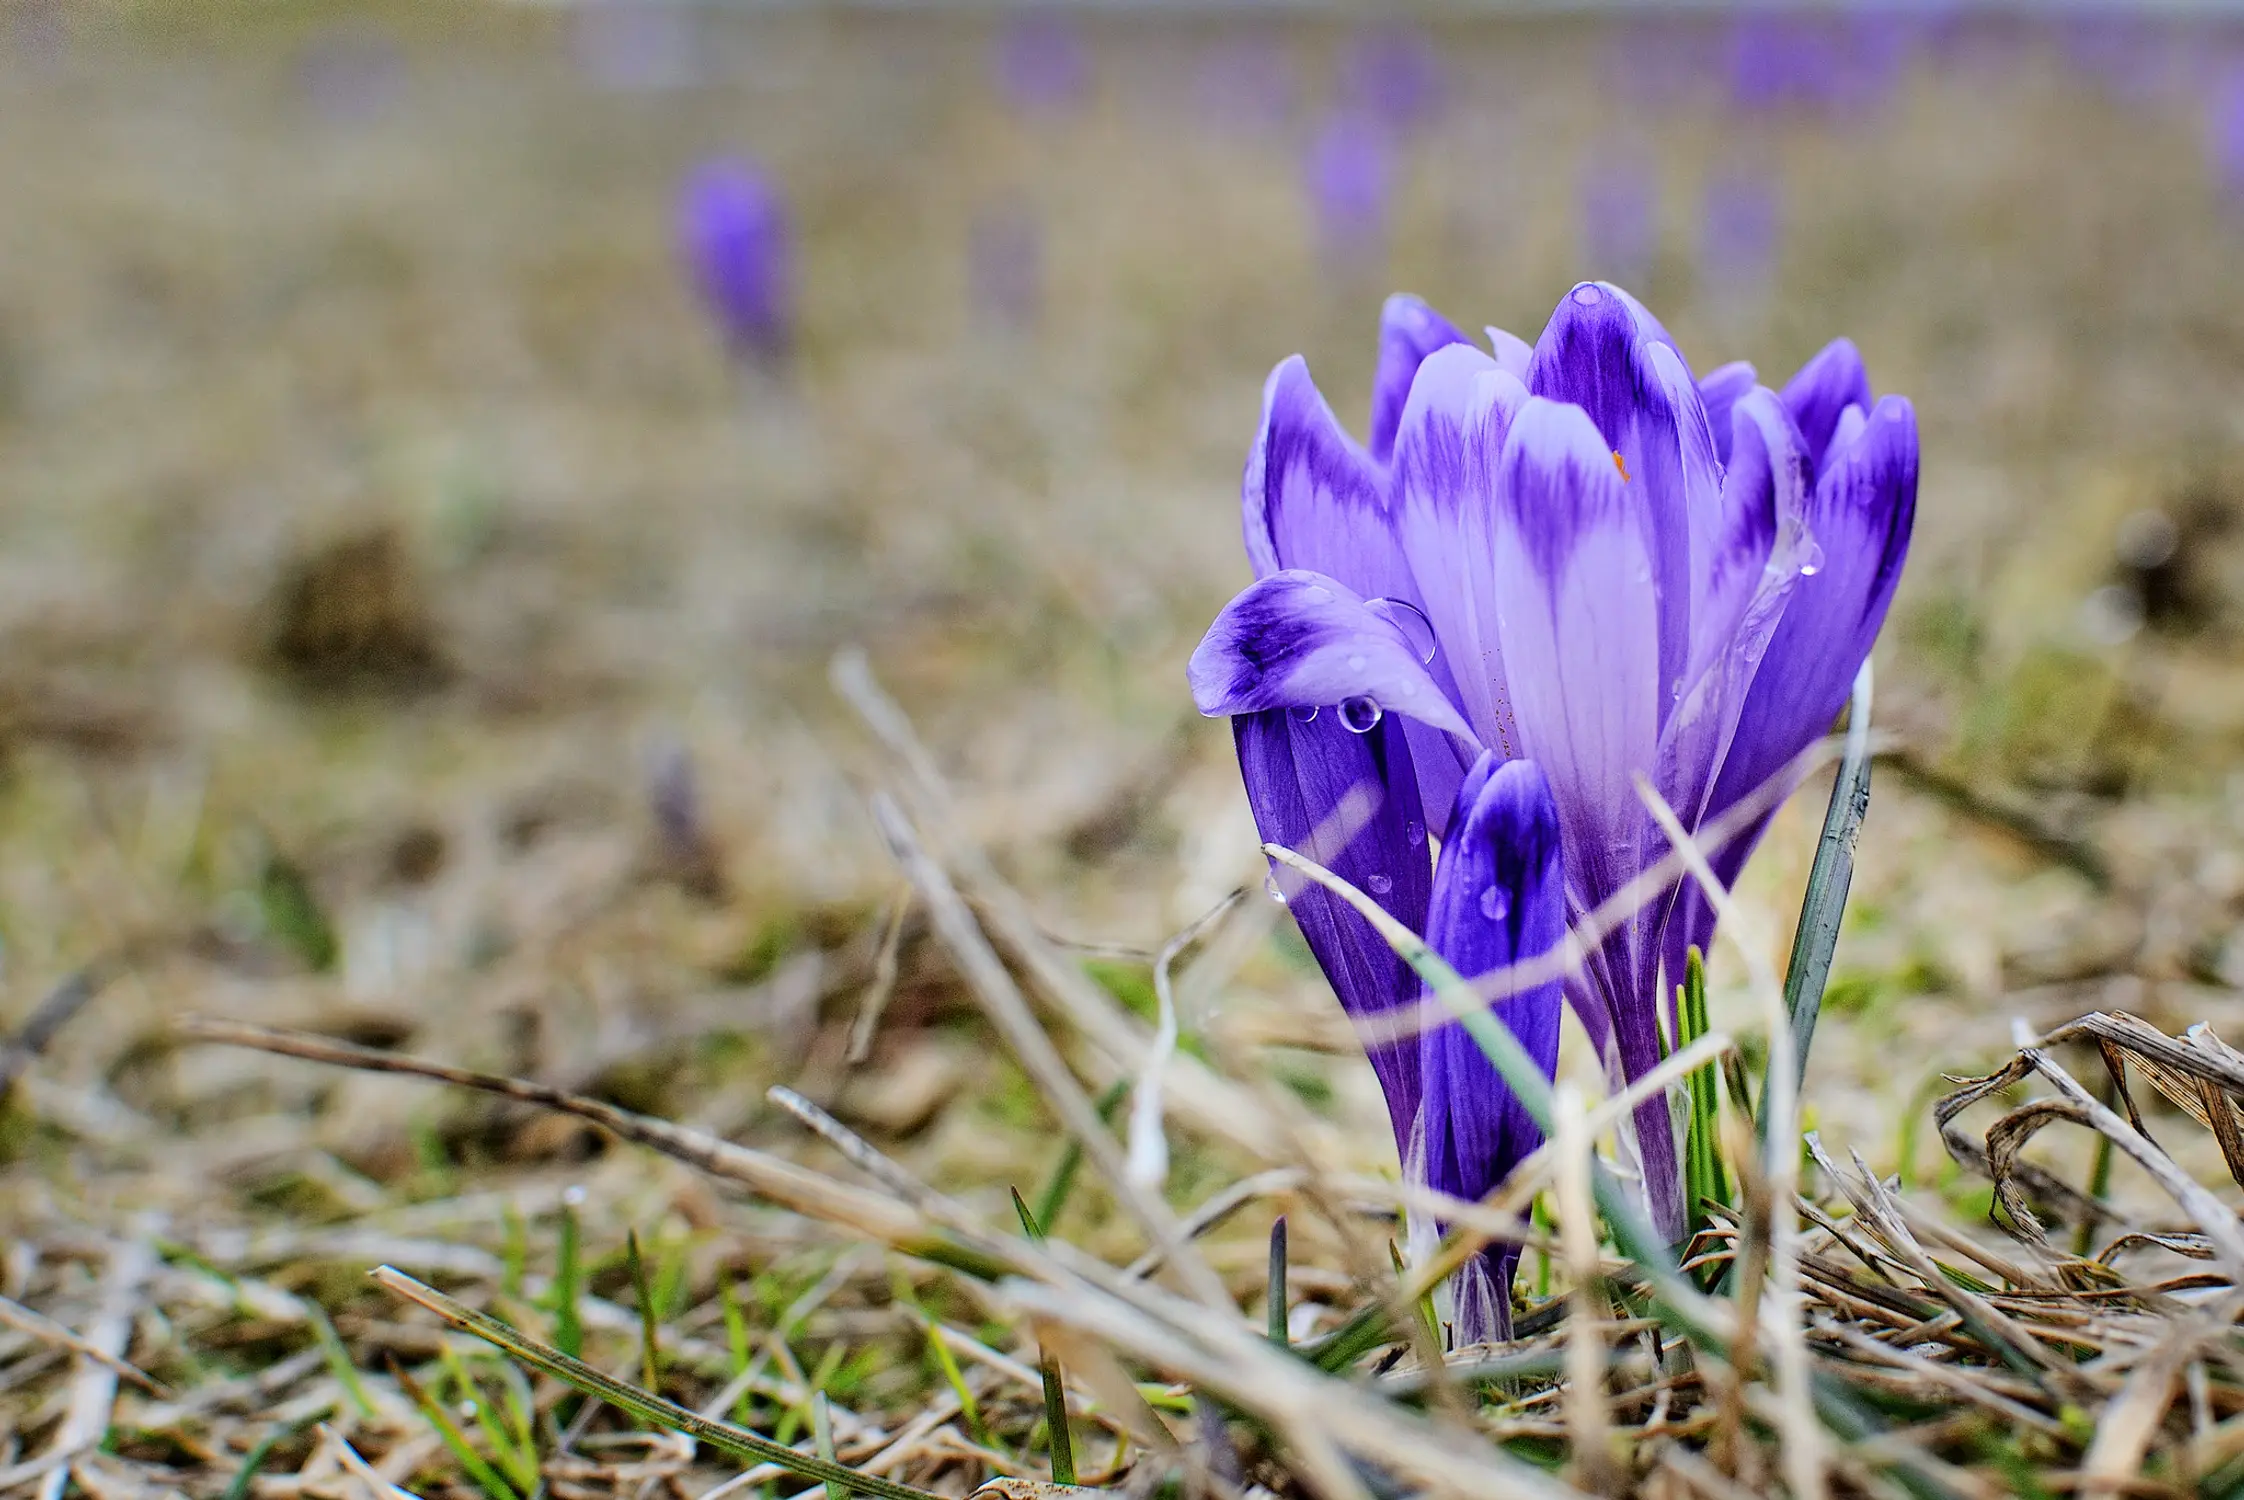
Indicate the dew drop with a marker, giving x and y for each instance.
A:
(1304, 715)
(1811, 558)
(1675, 689)
(1379, 885)
(1360, 715)
(1411, 621)
(1495, 903)
(1270, 888)
(1317, 593)
(1414, 833)
(1355, 663)
(573, 1195)
(1588, 295)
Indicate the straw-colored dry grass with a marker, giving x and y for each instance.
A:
(383, 538)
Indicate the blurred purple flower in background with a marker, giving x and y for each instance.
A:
(1005, 265)
(1620, 232)
(1738, 233)
(1575, 554)
(738, 245)
(636, 46)
(1350, 175)
(2130, 55)
(2226, 143)
(351, 74)
(1392, 75)
(1834, 65)
(1041, 65)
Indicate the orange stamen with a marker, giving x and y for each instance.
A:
(1618, 463)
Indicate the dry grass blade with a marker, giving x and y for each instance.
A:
(2008, 1135)
(1588, 1419)
(1008, 1011)
(93, 1392)
(806, 1192)
(1206, 1099)
(47, 1331)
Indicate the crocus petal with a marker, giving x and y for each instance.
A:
(1498, 898)
(1826, 386)
(1452, 435)
(1305, 640)
(1579, 631)
(1858, 525)
(1409, 330)
(1349, 802)
(1311, 497)
(1512, 352)
(1599, 353)
(1720, 390)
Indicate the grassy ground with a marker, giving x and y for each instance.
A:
(417, 633)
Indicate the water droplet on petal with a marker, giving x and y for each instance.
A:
(1360, 715)
(1495, 903)
(1414, 833)
(1270, 888)
(1811, 558)
(1317, 593)
(1588, 295)
(1304, 715)
(1379, 885)
(1411, 621)
(1675, 689)
(1355, 663)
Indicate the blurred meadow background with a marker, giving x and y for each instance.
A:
(418, 607)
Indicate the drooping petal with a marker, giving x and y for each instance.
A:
(1446, 455)
(1600, 353)
(1721, 389)
(1826, 386)
(1311, 496)
(1579, 631)
(1350, 802)
(1305, 640)
(1409, 331)
(1498, 898)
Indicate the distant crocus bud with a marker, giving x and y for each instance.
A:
(1738, 232)
(738, 245)
(1393, 75)
(1620, 218)
(1041, 66)
(1351, 181)
(2227, 144)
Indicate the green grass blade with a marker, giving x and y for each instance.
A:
(1062, 1182)
(573, 1372)
(822, 1433)
(473, 1463)
(1817, 936)
(650, 1339)
(1274, 1300)
(339, 1361)
(568, 1285)
(1057, 1435)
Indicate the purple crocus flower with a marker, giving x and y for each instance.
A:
(1393, 74)
(2227, 135)
(1576, 554)
(738, 245)
(1350, 175)
(1041, 65)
